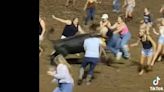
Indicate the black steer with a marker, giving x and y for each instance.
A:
(70, 45)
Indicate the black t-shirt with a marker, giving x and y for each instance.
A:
(70, 30)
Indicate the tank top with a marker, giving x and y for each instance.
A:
(146, 44)
(70, 30)
(91, 5)
(147, 18)
(124, 30)
(109, 33)
(40, 29)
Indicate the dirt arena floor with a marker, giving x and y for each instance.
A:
(122, 75)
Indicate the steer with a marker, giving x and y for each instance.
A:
(70, 45)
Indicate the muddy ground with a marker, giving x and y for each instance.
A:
(122, 75)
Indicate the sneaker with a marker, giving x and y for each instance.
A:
(118, 55)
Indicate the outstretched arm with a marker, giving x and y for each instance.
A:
(80, 30)
(68, 22)
(85, 6)
(155, 32)
(114, 26)
(135, 44)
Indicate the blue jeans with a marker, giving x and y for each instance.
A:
(64, 87)
(90, 14)
(116, 5)
(92, 62)
(124, 42)
(113, 44)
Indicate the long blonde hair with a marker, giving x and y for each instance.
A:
(61, 60)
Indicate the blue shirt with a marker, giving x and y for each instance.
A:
(92, 47)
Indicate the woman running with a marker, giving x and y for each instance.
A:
(89, 7)
(160, 47)
(129, 4)
(147, 20)
(62, 75)
(148, 48)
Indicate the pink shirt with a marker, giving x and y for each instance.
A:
(124, 30)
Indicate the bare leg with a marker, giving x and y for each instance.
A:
(149, 60)
(149, 68)
(126, 15)
(74, 2)
(142, 64)
(159, 48)
(67, 3)
(163, 50)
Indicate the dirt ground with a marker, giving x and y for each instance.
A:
(122, 75)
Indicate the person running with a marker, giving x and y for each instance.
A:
(42, 29)
(116, 6)
(160, 47)
(113, 40)
(71, 28)
(147, 20)
(125, 36)
(62, 75)
(129, 4)
(89, 7)
(92, 56)
(148, 49)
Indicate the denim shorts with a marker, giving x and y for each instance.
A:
(161, 40)
(147, 52)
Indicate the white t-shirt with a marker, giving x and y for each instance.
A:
(92, 47)
(63, 74)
